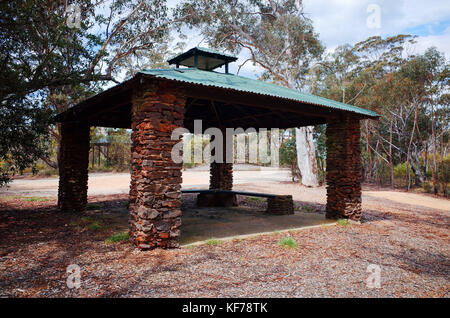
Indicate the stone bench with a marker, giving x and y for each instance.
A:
(276, 204)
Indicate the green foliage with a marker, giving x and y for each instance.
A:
(92, 223)
(321, 151)
(287, 36)
(119, 149)
(28, 199)
(409, 91)
(288, 155)
(281, 39)
(48, 66)
(343, 222)
(95, 226)
(110, 150)
(444, 169)
(23, 130)
(400, 171)
(118, 237)
(428, 186)
(444, 175)
(213, 242)
(36, 199)
(288, 242)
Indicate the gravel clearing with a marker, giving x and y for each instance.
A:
(410, 243)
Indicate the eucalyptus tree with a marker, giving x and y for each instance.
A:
(407, 90)
(407, 96)
(351, 74)
(53, 54)
(280, 40)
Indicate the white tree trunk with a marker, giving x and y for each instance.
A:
(306, 155)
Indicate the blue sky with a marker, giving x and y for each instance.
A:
(345, 21)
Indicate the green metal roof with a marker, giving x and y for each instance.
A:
(244, 84)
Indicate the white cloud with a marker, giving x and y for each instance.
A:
(441, 42)
(345, 21)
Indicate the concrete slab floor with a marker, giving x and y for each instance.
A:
(199, 224)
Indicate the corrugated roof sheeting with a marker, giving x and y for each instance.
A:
(244, 84)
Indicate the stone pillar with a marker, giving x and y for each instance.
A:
(343, 169)
(73, 167)
(280, 205)
(155, 197)
(221, 178)
(221, 174)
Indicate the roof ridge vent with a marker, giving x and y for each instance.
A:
(203, 59)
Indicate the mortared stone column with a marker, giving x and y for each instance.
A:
(343, 169)
(221, 174)
(221, 178)
(73, 167)
(155, 189)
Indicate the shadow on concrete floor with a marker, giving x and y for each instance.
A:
(199, 224)
(249, 217)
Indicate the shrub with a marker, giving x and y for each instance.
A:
(444, 174)
(428, 186)
(288, 157)
(400, 171)
(288, 242)
(118, 237)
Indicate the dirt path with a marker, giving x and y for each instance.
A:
(411, 198)
(119, 183)
(369, 197)
(266, 180)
